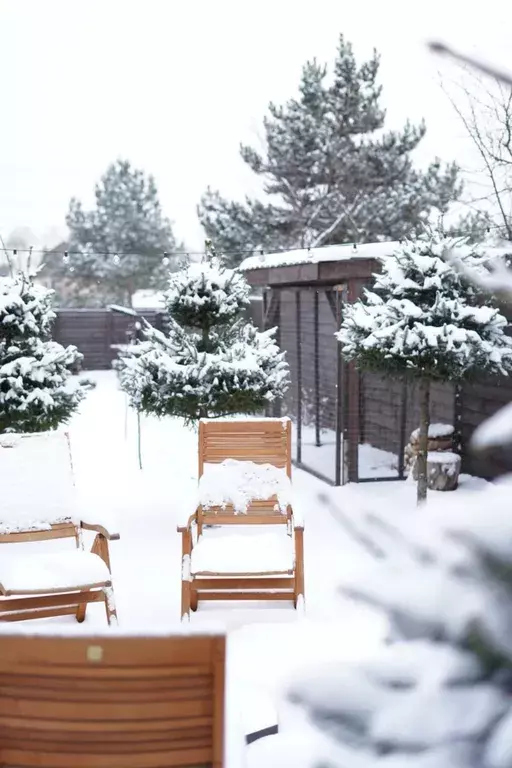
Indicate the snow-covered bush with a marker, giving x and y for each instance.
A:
(422, 319)
(211, 361)
(37, 392)
(439, 695)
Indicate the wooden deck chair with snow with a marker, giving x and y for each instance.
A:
(255, 550)
(38, 503)
(112, 701)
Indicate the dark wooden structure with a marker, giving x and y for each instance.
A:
(305, 301)
(96, 331)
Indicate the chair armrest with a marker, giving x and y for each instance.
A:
(99, 529)
(187, 528)
(296, 516)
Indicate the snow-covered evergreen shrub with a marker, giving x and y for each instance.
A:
(37, 392)
(422, 319)
(211, 362)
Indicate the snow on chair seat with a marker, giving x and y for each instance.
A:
(51, 572)
(244, 481)
(39, 503)
(237, 554)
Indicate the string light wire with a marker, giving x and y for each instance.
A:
(168, 255)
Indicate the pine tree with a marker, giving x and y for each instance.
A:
(211, 362)
(119, 246)
(36, 389)
(424, 321)
(333, 175)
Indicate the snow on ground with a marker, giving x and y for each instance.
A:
(373, 462)
(266, 641)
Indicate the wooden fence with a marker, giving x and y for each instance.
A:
(95, 331)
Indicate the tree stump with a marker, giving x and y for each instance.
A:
(443, 469)
(440, 438)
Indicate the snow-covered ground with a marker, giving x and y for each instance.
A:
(266, 641)
(373, 462)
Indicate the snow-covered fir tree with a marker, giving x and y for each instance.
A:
(118, 246)
(331, 172)
(423, 320)
(37, 391)
(211, 362)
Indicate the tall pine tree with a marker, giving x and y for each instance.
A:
(424, 321)
(333, 174)
(37, 392)
(118, 247)
(211, 362)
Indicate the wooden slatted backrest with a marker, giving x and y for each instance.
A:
(36, 487)
(262, 441)
(112, 702)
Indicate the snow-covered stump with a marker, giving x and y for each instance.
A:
(443, 470)
(440, 438)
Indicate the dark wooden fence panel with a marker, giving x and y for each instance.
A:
(94, 331)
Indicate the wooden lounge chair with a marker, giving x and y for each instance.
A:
(38, 505)
(223, 565)
(112, 702)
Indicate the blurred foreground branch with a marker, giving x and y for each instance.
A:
(487, 69)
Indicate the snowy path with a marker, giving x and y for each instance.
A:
(266, 641)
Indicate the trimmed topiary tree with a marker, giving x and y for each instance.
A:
(423, 320)
(211, 362)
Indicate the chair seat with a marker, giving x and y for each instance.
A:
(226, 552)
(48, 572)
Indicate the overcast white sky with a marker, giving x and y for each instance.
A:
(175, 85)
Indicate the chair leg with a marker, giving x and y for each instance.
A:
(298, 596)
(80, 612)
(194, 600)
(186, 576)
(185, 599)
(110, 605)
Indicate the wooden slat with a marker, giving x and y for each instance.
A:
(57, 531)
(101, 728)
(107, 695)
(240, 582)
(133, 658)
(73, 710)
(221, 518)
(47, 613)
(21, 758)
(246, 596)
(107, 673)
(126, 686)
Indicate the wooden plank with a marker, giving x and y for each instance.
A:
(22, 758)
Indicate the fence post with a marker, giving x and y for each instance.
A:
(340, 443)
(299, 375)
(457, 417)
(403, 427)
(316, 325)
